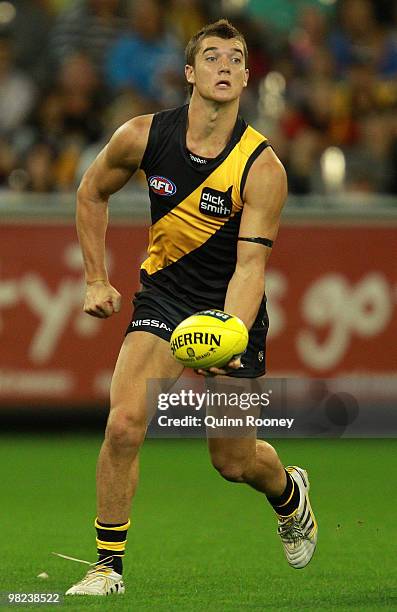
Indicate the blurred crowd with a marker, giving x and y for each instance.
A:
(323, 83)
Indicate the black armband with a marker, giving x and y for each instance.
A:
(264, 241)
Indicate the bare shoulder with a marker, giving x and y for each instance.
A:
(266, 180)
(128, 143)
(266, 191)
(118, 161)
(266, 170)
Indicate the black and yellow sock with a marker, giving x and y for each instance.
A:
(111, 541)
(288, 502)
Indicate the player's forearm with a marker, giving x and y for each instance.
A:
(91, 222)
(244, 294)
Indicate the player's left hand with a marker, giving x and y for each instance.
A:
(101, 299)
(234, 364)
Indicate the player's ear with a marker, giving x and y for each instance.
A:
(246, 77)
(189, 74)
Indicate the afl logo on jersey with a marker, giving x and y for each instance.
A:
(162, 186)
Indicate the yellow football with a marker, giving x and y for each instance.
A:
(209, 338)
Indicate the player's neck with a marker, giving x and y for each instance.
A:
(210, 126)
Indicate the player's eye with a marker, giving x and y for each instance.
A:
(236, 60)
(210, 58)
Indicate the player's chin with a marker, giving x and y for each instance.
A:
(224, 95)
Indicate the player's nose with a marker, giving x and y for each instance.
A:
(224, 67)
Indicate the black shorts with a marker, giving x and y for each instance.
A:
(159, 315)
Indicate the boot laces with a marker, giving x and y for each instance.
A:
(290, 531)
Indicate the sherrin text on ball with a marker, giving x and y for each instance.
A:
(210, 338)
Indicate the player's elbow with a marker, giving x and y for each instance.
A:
(86, 183)
(87, 190)
(82, 188)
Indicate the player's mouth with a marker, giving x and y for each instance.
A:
(223, 84)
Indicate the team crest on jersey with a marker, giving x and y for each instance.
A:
(162, 186)
(216, 203)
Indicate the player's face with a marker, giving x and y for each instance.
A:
(219, 71)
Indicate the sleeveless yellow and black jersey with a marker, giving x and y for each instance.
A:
(196, 207)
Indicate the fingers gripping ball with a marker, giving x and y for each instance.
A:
(209, 338)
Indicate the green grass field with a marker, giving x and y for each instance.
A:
(198, 542)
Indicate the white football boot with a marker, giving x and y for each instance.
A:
(298, 532)
(99, 580)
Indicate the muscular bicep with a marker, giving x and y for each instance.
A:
(118, 161)
(264, 197)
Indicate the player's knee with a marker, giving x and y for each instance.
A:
(125, 431)
(233, 471)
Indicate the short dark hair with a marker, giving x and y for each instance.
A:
(222, 29)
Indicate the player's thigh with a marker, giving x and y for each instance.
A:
(143, 359)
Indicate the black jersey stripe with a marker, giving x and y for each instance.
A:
(205, 288)
(151, 142)
(261, 147)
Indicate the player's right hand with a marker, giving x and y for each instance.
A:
(101, 300)
(234, 364)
